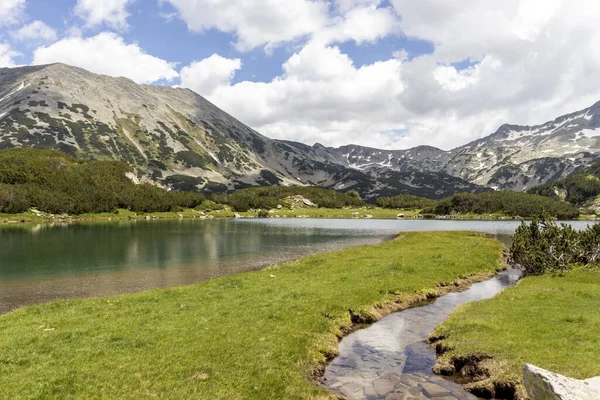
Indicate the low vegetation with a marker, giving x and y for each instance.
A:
(56, 183)
(500, 202)
(544, 246)
(270, 197)
(258, 335)
(406, 202)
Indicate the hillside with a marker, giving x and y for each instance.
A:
(580, 188)
(54, 182)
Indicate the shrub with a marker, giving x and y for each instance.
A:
(545, 246)
(269, 197)
(505, 202)
(263, 214)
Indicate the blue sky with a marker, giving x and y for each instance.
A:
(156, 27)
(384, 73)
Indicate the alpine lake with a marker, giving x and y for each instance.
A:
(45, 262)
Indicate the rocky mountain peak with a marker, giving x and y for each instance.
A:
(176, 138)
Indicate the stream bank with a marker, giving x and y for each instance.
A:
(390, 359)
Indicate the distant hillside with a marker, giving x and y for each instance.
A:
(56, 183)
(579, 188)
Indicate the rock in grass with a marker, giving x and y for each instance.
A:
(545, 385)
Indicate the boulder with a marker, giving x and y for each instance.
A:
(545, 385)
(308, 203)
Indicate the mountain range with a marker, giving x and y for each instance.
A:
(175, 138)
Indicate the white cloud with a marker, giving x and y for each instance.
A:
(205, 76)
(107, 53)
(7, 56)
(255, 23)
(113, 13)
(531, 61)
(321, 96)
(37, 30)
(11, 11)
(453, 80)
(344, 6)
(361, 24)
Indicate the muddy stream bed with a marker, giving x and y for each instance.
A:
(390, 360)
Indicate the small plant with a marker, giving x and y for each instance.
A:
(263, 214)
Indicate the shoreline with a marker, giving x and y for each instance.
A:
(189, 214)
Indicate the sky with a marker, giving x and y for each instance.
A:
(389, 74)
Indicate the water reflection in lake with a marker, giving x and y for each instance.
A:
(44, 262)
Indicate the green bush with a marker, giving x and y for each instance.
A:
(545, 246)
(263, 214)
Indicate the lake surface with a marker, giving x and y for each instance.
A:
(44, 262)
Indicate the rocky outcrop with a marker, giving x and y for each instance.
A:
(545, 385)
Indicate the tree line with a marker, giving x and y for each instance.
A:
(499, 202)
(56, 183)
(266, 198)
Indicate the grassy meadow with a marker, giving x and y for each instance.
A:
(257, 335)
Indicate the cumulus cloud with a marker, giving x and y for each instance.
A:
(321, 96)
(112, 13)
(37, 30)
(528, 61)
(255, 23)
(7, 56)
(205, 76)
(107, 53)
(361, 24)
(11, 11)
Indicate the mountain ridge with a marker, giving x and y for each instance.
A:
(176, 138)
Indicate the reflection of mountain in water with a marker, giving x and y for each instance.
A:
(60, 249)
(47, 262)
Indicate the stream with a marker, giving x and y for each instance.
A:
(390, 360)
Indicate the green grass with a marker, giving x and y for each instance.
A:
(363, 212)
(341, 213)
(257, 335)
(549, 321)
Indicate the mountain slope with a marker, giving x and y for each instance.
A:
(176, 138)
(514, 157)
(580, 188)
